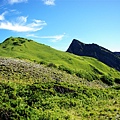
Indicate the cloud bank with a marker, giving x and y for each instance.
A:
(54, 38)
(20, 24)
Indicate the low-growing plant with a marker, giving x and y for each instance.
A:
(107, 79)
(56, 101)
(117, 80)
(52, 65)
(16, 43)
(42, 62)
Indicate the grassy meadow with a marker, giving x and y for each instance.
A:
(30, 91)
(84, 67)
(38, 82)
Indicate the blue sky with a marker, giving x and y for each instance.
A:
(57, 22)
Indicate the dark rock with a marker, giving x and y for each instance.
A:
(93, 50)
(117, 53)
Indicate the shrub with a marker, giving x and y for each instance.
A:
(4, 46)
(52, 65)
(42, 62)
(22, 41)
(108, 80)
(78, 74)
(117, 80)
(16, 43)
(116, 87)
(30, 40)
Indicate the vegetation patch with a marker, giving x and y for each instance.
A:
(117, 80)
(63, 101)
(84, 67)
(62, 89)
(46, 84)
(108, 80)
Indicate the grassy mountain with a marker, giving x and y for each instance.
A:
(93, 50)
(30, 91)
(35, 84)
(84, 67)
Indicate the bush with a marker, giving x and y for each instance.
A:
(116, 87)
(78, 74)
(22, 41)
(52, 65)
(117, 80)
(42, 62)
(16, 43)
(108, 80)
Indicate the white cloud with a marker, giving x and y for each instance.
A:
(21, 20)
(16, 1)
(32, 35)
(49, 2)
(14, 11)
(20, 24)
(2, 16)
(37, 23)
(53, 38)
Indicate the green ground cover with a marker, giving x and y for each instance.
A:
(84, 67)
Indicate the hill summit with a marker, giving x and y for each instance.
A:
(84, 67)
(93, 50)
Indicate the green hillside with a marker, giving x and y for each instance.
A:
(38, 82)
(30, 91)
(84, 67)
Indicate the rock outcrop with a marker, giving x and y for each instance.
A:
(117, 53)
(93, 50)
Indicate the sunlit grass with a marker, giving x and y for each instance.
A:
(52, 85)
(85, 67)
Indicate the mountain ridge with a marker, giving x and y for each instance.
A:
(84, 67)
(117, 53)
(93, 50)
(38, 82)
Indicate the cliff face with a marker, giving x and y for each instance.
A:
(117, 53)
(93, 50)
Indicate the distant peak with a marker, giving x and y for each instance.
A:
(93, 50)
(76, 41)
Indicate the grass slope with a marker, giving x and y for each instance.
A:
(30, 91)
(85, 67)
(57, 101)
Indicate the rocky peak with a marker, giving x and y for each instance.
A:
(117, 53)
(93, 50)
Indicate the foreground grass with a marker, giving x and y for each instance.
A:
(57, 101)
(30, 91)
